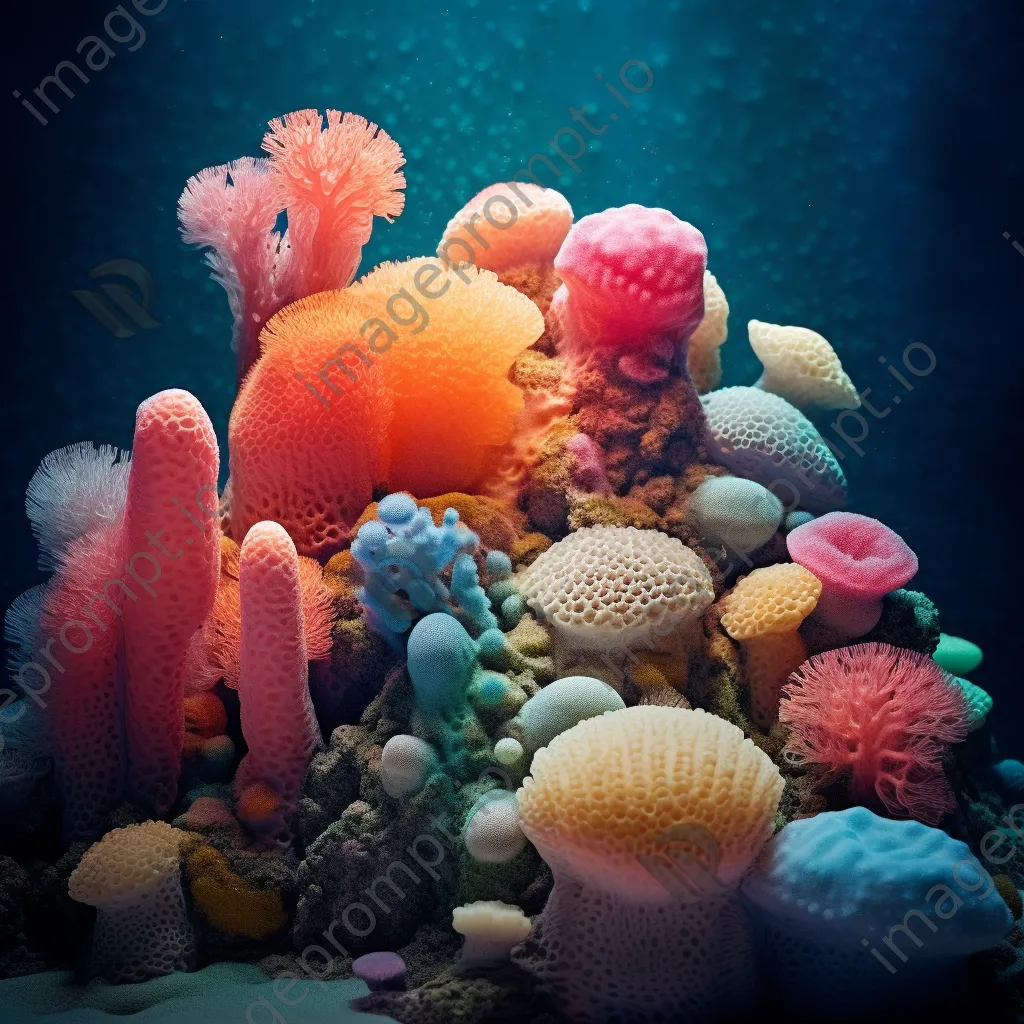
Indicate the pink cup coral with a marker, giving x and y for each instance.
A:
(633, 280)
(858, 560)
(880, 717)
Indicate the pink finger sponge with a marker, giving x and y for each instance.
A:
(858, 560)
(630, 275)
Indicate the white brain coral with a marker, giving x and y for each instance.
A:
(606, 587)
(802, 367)
(703, 360)
(132, 877)
(761, 436)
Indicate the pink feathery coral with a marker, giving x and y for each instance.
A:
(278, 721)
(333, 182)
(858, 560)
(81, 609)
(232, 209)
(171, 550)
(632, 279)
(880, 717)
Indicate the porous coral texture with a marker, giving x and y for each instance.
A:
(761, 436)
(170, 512)
(309, 459)
(607, 587)
(703, 358)
(647, 817)
(447, 372)
(801, 367)
(131, 876)
(278, 721)
(508, 225)
(879, 718)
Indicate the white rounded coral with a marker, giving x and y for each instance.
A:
(762, 437)
(405, 763)
(608, 587)
(741, 514)
(493, 834)
(132, 878)
(703, 360)
(802, 367)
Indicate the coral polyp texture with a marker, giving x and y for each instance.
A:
(762, 437)
(515, 670)
(604, 587)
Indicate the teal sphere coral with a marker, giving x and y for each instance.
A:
(441, 658)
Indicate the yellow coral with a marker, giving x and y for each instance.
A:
(610, 789)
(763, 611)
(228, 902)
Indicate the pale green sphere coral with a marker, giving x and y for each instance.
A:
(563, 704)
(741, 514)
(957, 655)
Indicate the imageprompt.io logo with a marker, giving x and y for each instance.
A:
(120, 309)
(686, 863)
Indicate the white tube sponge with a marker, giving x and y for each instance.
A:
(741, 514)
(405, 763)
(132, 878)
(493, 834)
(491, 929)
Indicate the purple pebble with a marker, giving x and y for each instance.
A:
(381, 971)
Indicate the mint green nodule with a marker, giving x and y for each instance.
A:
(956, 655)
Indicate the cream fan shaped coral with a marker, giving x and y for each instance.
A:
(604, 587)
(605, 792)
(491, 929)
(802, 367)
(703, 358)
(132, 878)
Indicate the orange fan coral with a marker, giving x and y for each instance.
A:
(333, 181)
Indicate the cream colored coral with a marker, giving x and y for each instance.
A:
(508, 225)
(775, 599)
(491, 929)
(132, 877)
(607, 587)
(703, 359)
(607, 791)
(125, 862)
(801, 367)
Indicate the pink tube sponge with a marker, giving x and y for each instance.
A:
(880, 717)
(278, 721)
(171, 555)
(633, 278)
(858, 560)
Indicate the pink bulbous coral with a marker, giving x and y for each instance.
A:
(632, 280)
(171, 551)
(278, 721)
(879, 718)
(858, 560)
(331, 181)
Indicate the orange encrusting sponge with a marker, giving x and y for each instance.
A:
(399, 380)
